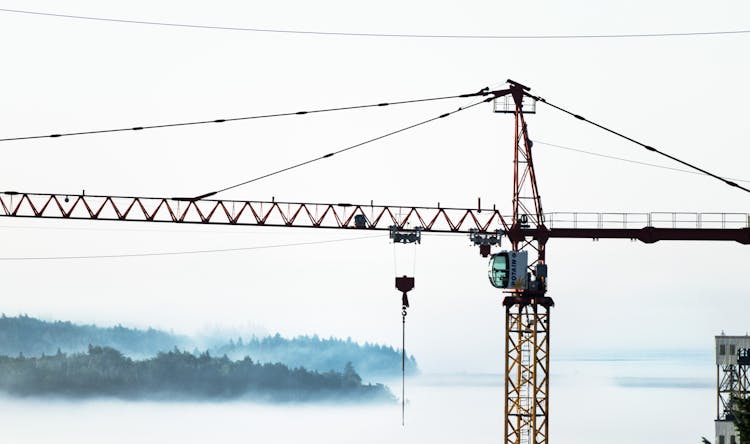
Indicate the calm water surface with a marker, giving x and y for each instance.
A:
(665, 401)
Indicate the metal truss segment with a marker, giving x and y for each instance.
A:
(526, 372)
(230, 212)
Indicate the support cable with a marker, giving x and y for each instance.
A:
(351, 147)
(180, 253)
(577, 150)
(482, 92)
(376, 34)
(647, 147)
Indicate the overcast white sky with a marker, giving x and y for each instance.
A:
(686, 95)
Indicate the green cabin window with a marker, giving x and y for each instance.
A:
(499, 270)
(722, 349)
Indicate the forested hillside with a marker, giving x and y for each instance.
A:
(104, 371)
(31, 337)
(320, 354)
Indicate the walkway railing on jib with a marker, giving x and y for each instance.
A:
(641, 220)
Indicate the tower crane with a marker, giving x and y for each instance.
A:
(520, 272)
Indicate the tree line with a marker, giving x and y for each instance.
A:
(35, 337)
(372, 360)
(105, 371)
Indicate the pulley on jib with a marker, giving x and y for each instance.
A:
(405, 259)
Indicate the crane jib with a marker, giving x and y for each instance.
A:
(646, 227)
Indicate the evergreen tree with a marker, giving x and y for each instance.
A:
(741, 410)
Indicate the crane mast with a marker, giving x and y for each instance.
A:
(527, 308)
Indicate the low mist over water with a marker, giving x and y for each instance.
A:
(590, 404)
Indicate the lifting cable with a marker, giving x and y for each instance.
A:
(404, 284)
(482, 92)
(647, 147)
(404, 306)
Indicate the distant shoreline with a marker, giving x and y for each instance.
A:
(104, 372)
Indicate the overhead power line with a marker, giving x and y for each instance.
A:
(641, 144)
(348, 148)
(158, 230)
(386, 35)
(577, 150)
(482, 92)
(179, 253)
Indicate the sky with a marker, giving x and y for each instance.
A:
(684, 95)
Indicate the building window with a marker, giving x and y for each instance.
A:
(721, 439)
(731, 349)
(722, 349)
(732, 440)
